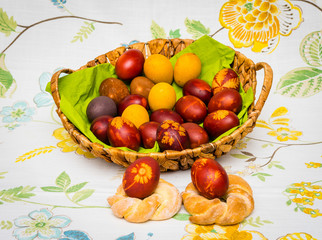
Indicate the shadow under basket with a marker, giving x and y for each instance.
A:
(172, 160)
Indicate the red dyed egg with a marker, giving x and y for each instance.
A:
(161, 115)
(226, 99)
(148, 132)
(141, 177)
(225, 78)
(219, 122)
(209, 178)
(197, 134)
(131, 99)
(191, 109)
(99, 127)
(172, 136)
(123, 133)
(198, 88)
(130, 64)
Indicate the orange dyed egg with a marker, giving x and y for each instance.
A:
(209, 178)
(141, 178)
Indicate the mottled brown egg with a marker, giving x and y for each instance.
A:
(141, 85)
(114, 88)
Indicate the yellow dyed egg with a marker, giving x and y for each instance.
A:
(137, 114)
(162, 96)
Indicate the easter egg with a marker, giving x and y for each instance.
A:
(172, 136)
(198, 88)
(99, 127)
(141, 85)
(187, 67)
(100, 106)
(131, 99)
(226, 99)
(137, 114)
(114, 88)
(123, 133)
(162, 96)
(141, 177)
(219, 122)
(130, 64)
(148, 132)
(191, 109)
(209, 178)
(197, 134)
(225, 78)
(161, 115)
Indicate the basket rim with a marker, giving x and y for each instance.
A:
(99, 150)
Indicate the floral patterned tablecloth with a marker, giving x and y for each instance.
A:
(52, 189)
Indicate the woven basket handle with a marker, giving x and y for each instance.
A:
(267, 84)
(54, 84)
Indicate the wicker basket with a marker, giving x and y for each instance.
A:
(172, 160)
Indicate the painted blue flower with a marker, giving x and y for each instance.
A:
(75, 235)
(19, 112)
(130, 43)
(41, 224)
(59, 3)
(44, 99)
(130, 236)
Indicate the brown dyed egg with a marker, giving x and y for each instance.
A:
(161, 115)
(148, 132)
(197, 134)
(141, 177)
(191, 109)
(172, 136)
(209, 178)
(219, 122)
(141, 85)
(226, 99)
(123, 133)
(198, 88)
(225, 78)
(114, 88)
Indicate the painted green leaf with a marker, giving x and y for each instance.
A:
(175, 33)
(16, 194)
(157, 31)
(81, 195)
(84, 32)
(300, 82)
(7, 25)
(6, 225)
(63, 180)
(76, 187)
(240, 156)
(196, 28)
(182, 216)
(311, 49)
(6, 79)
(52, 189)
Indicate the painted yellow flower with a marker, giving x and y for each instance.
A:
(304, 201)
(313, 165)
(284, 134)
(313, 212)
(213, 232)
(259, 23)
(299, 236)
(143, 173)
(68, 145)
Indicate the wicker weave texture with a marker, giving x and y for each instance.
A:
(172, 160)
